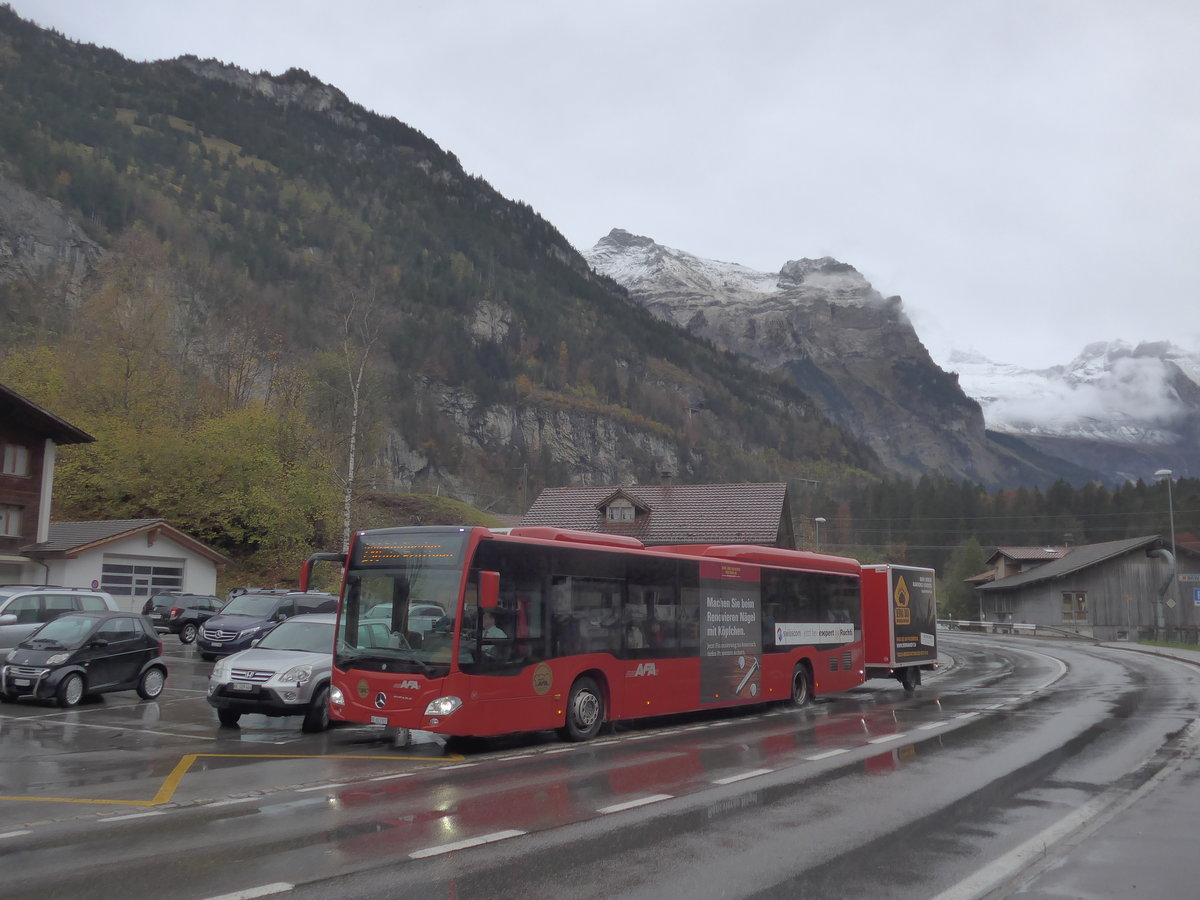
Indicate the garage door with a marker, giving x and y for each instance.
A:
(141, 578)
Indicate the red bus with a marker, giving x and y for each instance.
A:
(472, 632)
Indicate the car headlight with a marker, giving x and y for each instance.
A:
(442, 706)
(220, 671)
(249, 631)
(58, 659)
(336, 697)
(298, 674)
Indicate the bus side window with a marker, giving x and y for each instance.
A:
(652, 609)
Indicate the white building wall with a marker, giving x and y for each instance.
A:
(199, 574)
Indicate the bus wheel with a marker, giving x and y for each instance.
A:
(909, 678)
(585, 711)
(801, 686)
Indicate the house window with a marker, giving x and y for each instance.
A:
(10, 520)
(1074, 606)
(620, 511)
(16, 460)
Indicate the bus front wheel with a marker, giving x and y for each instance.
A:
(585, 711)
(801, 686)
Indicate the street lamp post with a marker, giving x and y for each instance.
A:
(819, 521)
(1168, 474)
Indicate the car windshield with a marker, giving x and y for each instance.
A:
(258, 605)
(158, 601)
(309, 637)
(67, 630)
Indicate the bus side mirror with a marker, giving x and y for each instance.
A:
(489, 590)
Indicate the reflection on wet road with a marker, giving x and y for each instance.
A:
(766, 801)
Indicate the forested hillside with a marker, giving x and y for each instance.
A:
(282, 270)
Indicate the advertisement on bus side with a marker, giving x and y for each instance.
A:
(730, 632)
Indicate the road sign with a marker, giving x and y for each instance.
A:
(1189, 577)
(1196, 596)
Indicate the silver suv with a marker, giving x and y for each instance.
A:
(286, 673)
(24, 608)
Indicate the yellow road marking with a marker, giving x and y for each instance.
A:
(171, 783)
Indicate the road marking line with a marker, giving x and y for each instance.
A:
(752, 774)
(883, 739)
(967, 715)
(12, 834)
(323, 787)
(462, 845)
(389, 777)
(557, 750)
(128, 816)
(459, 766)
(929, 726)
(231, 801)
(278, 887)
(827, 754)
(631, 804)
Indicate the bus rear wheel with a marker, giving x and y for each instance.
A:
(585, 711)
(801, 685)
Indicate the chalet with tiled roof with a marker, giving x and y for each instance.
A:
(1111, 591)
(672, 514)
(29, 437)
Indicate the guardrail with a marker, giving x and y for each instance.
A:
(1026, 628)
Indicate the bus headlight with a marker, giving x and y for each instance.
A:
(336, 697)
(442, 706)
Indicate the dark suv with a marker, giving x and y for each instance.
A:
(84, 653)
(251, 615)
(183, 614)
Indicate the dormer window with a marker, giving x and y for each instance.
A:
(620, 510)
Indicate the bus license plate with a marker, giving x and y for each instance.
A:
(378, 720)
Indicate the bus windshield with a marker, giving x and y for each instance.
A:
(399, 604)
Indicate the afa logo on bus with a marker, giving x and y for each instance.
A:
(642, 670)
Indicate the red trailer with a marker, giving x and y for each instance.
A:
(899, 612)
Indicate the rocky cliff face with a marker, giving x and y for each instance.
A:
(849, 347)
(38, 239)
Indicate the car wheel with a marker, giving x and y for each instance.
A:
(152, 682)
(208, 657)
(70, 690)
(585, 711)
(187, 633)
(317, 717)
(228, 717)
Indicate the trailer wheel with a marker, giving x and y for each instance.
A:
(585, 711)
(801, 685)
(909, 678)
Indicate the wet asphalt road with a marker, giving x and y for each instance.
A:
(868, 793)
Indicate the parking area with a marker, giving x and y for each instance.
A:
(117, 750)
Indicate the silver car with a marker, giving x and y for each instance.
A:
(286, 673)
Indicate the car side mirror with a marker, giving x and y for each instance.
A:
(98, 643)
(8, 619)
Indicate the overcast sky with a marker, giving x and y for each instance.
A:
(1026, 175)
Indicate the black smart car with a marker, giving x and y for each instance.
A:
(85, 653)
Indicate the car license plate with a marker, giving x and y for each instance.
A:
(22, 682)
(378, 720)
(241, 686)
(215, 644)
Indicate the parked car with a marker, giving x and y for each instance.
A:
(183, 614)
(84, 653)
(26, 607)
(286, 673)
(250, 616)
(421, 616)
